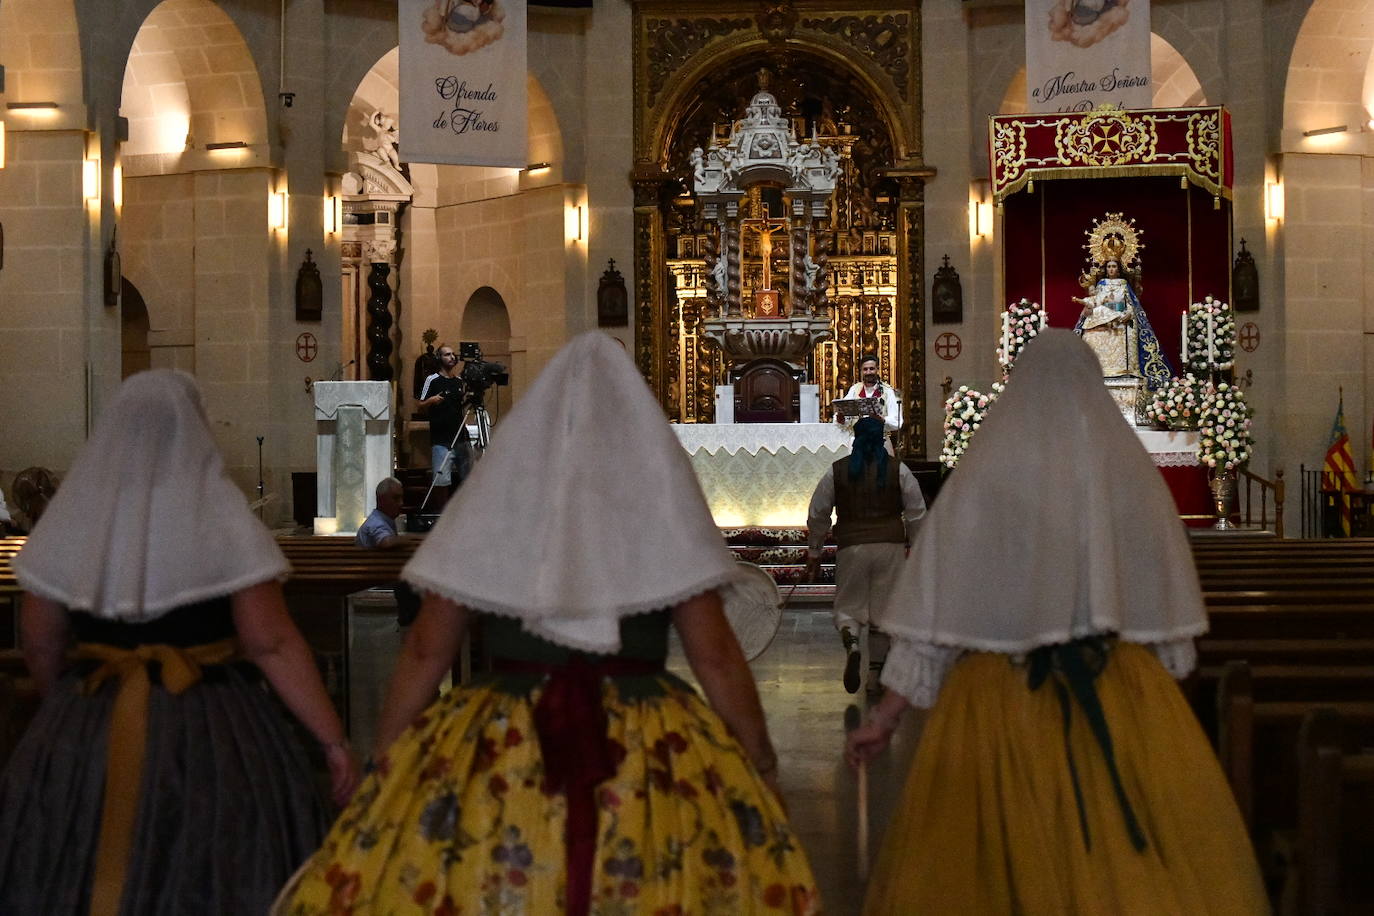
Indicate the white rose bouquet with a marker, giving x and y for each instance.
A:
(964, 413)
(1177, 404)
(1209, 320)
(1021, 323)
(1224, 423)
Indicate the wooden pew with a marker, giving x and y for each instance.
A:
(1329, 770)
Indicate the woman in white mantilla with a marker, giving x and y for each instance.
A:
(577, 776)
(1049, 597)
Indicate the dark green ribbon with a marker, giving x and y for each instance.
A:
(1073, 667)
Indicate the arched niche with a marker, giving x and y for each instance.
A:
(486, 321)
(877, 214)
(135, 355)
(190, 81)
(436, 249)
(40, 47)
(1328, 81)
(1174, 83)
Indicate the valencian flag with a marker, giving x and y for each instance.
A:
(1338, 470)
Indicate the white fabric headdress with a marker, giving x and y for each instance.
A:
(584, 510)
(1055, 525)
(147, 520)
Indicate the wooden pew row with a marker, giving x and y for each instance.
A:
(1333, 765)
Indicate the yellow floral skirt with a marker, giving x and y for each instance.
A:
(453, 819)
(989, 823)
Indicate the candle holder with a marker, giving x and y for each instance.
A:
(1223, 485)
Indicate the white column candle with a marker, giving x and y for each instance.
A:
(1006, 338)
(1211, 350)
(1184, 339)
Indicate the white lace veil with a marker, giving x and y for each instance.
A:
(584, 510)
(147, 520)
(1056, 524)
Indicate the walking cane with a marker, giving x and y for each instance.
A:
(862, 792)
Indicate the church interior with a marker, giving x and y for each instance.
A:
(217, 186)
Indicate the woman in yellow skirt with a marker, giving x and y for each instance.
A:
(1048, 605)
(577, 776)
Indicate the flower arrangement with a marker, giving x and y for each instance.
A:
(1209, 336)
(1021, 323)
(1177, 404)
(964, 413)
(1224, 423)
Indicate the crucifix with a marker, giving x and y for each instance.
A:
(767, 303)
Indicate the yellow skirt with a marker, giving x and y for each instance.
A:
(988, 821)
(453, 820)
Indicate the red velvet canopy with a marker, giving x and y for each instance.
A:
(1168, 171)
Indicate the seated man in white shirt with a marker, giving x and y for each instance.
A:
(379, 530)
(878, 503)
(871, 385)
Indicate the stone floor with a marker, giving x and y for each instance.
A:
(808, 712)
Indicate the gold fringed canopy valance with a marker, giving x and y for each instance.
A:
(1194, 143)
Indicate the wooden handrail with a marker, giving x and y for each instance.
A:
(1276, 486)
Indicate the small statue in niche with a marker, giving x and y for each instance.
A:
(946, 295)
(1245, 281)
(386, 142)
(698, 167)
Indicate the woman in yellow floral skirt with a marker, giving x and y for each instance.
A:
(578, 776)
(1049, 598)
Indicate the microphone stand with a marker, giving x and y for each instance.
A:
(262, 487)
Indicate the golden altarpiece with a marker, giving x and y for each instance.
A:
(845, 78)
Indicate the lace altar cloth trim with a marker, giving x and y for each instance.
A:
(772, 438)
(1170, 448)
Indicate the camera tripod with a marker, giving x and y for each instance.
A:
(478, 411)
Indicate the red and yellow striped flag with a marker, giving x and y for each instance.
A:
(1338, 470)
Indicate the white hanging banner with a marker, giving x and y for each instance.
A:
(462, 91)
(1082, 54)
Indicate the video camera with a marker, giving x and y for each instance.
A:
(478, 374)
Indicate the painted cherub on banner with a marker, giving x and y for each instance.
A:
(1084, 23)
(463, 26)
(1113, 322)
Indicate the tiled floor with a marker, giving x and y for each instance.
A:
(807, 710)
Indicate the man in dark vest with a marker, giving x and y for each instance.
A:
(878, 504)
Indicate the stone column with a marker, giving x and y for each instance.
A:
(910, 363)
(380, 256)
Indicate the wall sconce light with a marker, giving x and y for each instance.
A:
(575, 223)
(276, 209)
(332, 217)
(90, 179)
(117, 176)
(228, 144)
(1324, 131)
(2, 144)
(31, 106)
(979, 218)
(1273, 201)
(537, 168)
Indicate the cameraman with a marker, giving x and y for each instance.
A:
(442, 399)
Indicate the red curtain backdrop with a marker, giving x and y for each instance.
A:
(1186, 234)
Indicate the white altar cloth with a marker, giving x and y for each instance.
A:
(1170, 448)
(761, 473)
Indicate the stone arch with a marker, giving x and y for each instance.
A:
(1175, 83)
(135, 355)
(486, 320)
(675, 105)
(1328, 80)
(190, 65)
(40, 44)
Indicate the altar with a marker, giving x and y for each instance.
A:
(761, 474)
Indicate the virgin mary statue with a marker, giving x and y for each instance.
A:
(1114, 324)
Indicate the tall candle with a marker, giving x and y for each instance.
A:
(1185, 339)
(1006, 341)
(1211, 357)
